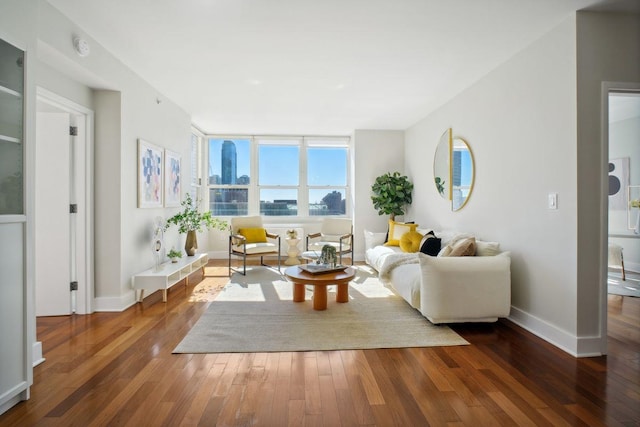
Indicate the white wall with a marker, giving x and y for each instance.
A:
(608, 50)
(520, 122)
(375, 152)
(128, 110)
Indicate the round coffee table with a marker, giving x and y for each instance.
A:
(300, 278)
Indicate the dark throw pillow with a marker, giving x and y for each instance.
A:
(430, 244)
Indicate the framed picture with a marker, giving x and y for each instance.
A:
(149, 175)
(633, 208)
(172, 178)
(618, 182)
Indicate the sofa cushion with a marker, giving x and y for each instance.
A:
(372, 239)
(463, 247)
(487, 248)
(396, 230)
(410, 241)
(430, 244)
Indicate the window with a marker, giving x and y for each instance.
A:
(327, 179)
(278, 176)
(229, 176)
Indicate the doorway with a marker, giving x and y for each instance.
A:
(64, 183)
(621, 131)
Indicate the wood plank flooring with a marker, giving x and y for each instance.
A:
(116, 369)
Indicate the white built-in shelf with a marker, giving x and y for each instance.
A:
(6, 138)
(10, 115)
(10, 92)
(168, 274)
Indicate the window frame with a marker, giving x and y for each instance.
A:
(254, 186)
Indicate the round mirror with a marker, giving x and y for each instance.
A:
(453, 169)
(441, 170)
(462, 173)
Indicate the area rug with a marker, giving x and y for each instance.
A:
(629, 287)
(256, 313)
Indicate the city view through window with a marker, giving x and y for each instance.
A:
(280, 188)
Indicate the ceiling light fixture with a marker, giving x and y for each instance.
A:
(81, 46)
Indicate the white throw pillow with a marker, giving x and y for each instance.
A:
(372, 239)
(487, 248)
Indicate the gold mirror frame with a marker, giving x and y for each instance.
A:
(446, 165)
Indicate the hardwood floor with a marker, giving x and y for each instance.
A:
(117, 369)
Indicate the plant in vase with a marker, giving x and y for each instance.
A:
(174, 255)
(190, 221)
(292, 234)
(391, 193)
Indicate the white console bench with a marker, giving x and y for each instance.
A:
(168, 274)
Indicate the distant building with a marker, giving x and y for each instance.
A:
(229, 163)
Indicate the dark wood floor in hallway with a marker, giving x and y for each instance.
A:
(112, 369)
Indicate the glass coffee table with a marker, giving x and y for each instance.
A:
(300, 278)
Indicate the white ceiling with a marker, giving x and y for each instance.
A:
(315, 66)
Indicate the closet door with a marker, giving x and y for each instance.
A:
(15, 366)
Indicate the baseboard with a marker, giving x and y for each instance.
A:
(37, 354)
(218, 255)
(575, 346)
(14, 396)
(115, 304)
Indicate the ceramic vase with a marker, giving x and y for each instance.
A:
(191, 245)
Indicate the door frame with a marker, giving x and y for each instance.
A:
(606, 89)
(84, 118)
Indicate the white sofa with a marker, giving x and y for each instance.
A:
(445, 289)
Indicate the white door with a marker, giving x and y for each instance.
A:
(52, 218)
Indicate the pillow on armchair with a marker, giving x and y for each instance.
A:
(254, 235)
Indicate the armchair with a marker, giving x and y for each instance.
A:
(249, 238)
(336, 232)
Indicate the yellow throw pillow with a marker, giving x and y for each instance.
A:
(254, 235)
(410, 241)
(396, 230)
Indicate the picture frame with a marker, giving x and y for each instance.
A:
(150, 176)
(172, 178)
(633, 208)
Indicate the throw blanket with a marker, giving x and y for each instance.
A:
(386, 259)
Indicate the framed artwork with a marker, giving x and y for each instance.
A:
(149, 175)
(172, 178)
(618, 183)
(633, 208)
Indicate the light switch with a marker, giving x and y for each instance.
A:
(553, 201)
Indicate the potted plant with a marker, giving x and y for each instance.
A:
(174, 255)
(292, 234)
(190, 221)
(391, 193)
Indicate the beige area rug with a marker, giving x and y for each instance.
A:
(256, 313)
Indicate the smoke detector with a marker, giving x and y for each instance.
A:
(81, 46)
